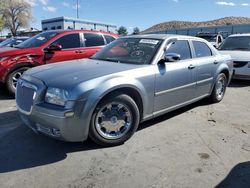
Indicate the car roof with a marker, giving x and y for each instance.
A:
(81, 30)
(162, 36)
(240, 35)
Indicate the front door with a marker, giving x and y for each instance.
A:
(71, 49)
(175, 81)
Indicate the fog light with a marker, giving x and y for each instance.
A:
(69, 114)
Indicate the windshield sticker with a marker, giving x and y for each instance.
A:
(149, 41)
(40, 38)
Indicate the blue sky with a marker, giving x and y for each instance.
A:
(140, 13)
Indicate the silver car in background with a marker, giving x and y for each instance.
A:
(133, 79)
(238, 47)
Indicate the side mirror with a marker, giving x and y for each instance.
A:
(53, 48)
(172, 57)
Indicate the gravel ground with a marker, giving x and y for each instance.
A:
(201, 145)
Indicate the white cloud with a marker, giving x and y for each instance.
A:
(75, 6)
(65, 4)
(31, 2)
(224, 3)
(176, 1)
(44, 2)
(50, 9)
(245, 4)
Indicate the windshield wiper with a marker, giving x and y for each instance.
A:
(109, 59)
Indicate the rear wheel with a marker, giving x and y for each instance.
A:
(219, 88)
(12, 78)
(114, 120)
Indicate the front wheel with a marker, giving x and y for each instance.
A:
(12, 78)
(114, 120)
(219, 88)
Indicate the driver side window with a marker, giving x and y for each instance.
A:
(180, 47)
(69, 41)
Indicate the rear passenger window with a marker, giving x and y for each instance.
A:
(201, 49)
(69, 41)
(180, 47)
(92, 39)
(109, 39)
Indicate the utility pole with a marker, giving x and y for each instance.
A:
(77, 9)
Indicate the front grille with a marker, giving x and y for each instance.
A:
(24, 96)
(238, 64)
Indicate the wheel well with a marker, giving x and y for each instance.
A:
(130, 92)
(226, 72)
(17, 67)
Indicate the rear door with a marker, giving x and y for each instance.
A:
(175, 81)
(206, 65)
(71, 44)
(93, 42)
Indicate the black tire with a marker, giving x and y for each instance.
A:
(219, 88)
(11, 83)
(122, 100)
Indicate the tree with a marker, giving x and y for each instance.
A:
(15, 14)
(122, 31)
(136, 31)
(1, 23)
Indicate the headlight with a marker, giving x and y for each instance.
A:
(3, 58)
(56, 96)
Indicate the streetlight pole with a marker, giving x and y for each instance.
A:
(77, 8)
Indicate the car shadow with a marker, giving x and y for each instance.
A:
(4, 94)
(239, 176)
(239, 83)
(21, 148)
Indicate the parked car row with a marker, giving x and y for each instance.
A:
(238, 47)
(14, 41)
(131, 80)
(49, 47)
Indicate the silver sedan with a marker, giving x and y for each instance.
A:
(131, 80)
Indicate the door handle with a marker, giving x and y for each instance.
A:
(80, 52)
(191, 67)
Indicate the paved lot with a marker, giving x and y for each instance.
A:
(200, 145)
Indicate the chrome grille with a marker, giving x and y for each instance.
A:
(24, 96)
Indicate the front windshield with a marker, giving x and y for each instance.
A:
(129, 50)
(6, 42)
(236, 43)
(37, 40)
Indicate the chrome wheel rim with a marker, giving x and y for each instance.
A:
(16, 76)
(113, 121)
(220, 87)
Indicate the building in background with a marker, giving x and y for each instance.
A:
(73, 23)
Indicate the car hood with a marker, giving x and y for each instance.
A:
(68, 74)
(9, 51)
(237, 55)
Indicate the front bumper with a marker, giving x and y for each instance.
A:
(53, 123)
(68, 124)
(242, 73)
(2, 73)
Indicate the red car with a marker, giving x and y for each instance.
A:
(49, 47)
